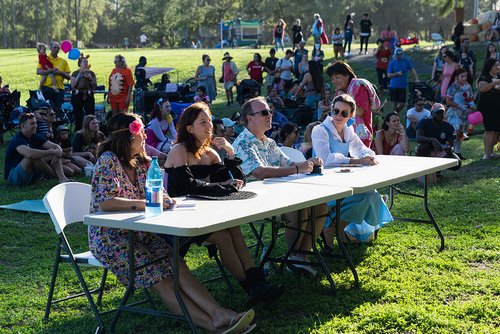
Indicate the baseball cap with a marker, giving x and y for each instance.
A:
(398, 51)
(227, 122)
(62, 127)
(436, 107)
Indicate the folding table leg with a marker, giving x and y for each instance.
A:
(429, 213)
(175, 268)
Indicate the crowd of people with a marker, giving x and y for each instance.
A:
(205, 155)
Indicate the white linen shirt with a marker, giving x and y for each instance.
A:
(321, 144)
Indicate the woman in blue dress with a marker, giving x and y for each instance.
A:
(336, 143)
(205, 76)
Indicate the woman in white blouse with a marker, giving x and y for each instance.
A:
(336, 143)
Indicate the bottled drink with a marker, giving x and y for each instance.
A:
(154, 189)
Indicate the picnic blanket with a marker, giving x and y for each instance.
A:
(31, 205)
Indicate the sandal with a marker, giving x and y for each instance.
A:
(238, 325)
(248, 329)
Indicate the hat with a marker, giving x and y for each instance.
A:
(226, 56)
(398, 51)
(227, 122)
(436, 107)
(62, 127)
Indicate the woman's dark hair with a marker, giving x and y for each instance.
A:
(450, 55)
(347, 20)
(488, 65)
(188, 116)
(455, 74)
(157, 111)
(88, 137)
(317, 77)
(440, 53)
(336, 29)
(346, 99)
(165, 78)
(488, 54)
(340, 67)
(258, 56)
(287, 129)
(119, 140)
(387, 118)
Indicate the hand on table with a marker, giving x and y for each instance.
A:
(168, 202)
(238, 184)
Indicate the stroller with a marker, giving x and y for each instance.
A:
(246, 88)
(9, 119)
(421, 90)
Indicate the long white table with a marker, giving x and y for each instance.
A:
(209, 216)
(390, 171)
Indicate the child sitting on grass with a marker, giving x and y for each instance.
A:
(202, 95)
(47, 65)
(70, 161)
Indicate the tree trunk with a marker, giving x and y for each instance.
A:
(37, 23)
(13, 23)
(4, 24)
(47, 8)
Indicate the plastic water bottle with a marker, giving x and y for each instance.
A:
(154, 189)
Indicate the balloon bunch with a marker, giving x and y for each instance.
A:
(66, 47)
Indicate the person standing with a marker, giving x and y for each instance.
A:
(255, 68)
(297, 58)
(317, 29)
(365, 31)
(61, 72)
(388, 36)
(83, 83)
(337, 39)
(205, 76)
(121, 83)
(383, 55)
(279, 34)
(449, 66)
(229, 76)
(141, 81)
(270, 68)
(489, 96)
(397, 71)
(348, 34)
(297, 34)
(458, 31)
(285, 67)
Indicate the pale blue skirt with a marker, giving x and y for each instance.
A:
(365, 213)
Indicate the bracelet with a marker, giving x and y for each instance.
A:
(297, 167)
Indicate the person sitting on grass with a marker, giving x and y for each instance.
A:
(201, 95)
(391, 140)
(30, 156)
(86, 141)
(118, 184)
(161, 131)
(62, 139)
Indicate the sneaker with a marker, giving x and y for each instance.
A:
(300, 268)
(265, 292)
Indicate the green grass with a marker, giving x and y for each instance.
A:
(406, 286)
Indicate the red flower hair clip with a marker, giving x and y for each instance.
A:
(136, 127)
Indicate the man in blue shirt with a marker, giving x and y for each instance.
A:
(398, 70)
(29, 156)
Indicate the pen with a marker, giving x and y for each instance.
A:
(230, 174)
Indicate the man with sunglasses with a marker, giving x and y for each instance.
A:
(61, 73)
(415, 115)
(29, 156)
(263, 159)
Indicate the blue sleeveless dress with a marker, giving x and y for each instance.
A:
(364, 212)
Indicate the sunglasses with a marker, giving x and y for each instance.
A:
(265, 112)
(343, 113)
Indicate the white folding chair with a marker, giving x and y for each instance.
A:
(294, 154)
(67, 203)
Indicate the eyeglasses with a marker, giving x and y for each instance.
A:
(265, 112)
(343, 113)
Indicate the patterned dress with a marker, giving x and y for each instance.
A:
(110, 245)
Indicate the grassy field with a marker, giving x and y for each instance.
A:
(406, 286)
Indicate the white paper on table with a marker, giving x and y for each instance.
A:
(185, 204)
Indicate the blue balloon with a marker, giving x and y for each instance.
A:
(74, 54)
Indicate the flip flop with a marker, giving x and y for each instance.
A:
(236, 326)
(248, 329)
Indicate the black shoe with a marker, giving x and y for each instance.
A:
(460, 156)
(265, 292)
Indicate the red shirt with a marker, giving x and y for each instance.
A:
(383, 58)
(256, 70)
